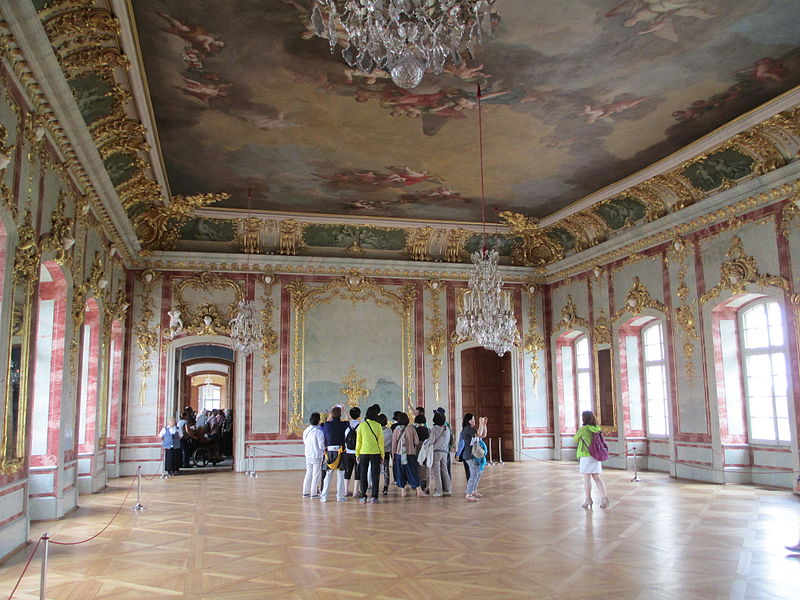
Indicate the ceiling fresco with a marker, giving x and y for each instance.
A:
(246, 98)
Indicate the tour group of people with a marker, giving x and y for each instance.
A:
(209, 428)
(351, 455)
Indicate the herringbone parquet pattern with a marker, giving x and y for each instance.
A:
(226, 536)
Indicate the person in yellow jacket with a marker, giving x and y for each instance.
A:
(589, 466)
(369, 452)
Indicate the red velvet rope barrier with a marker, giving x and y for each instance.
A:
(25, 568)
(124, 500)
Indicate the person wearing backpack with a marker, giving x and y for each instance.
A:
(590, 466)
(349, 457)
(369, 451)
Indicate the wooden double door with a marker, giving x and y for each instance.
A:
(486, 391)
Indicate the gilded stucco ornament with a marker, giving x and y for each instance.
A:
(437, 337)
(6, 150)
(354, 387)
(418, 243)
(679, 252)
(145, 332)
(27, 254)
(570, 318)
(455, 251)
(638, 299)
(601, 333)
(533, 340)
(248, 232)
(206, 318)
(59, 238)
(269, 337)
(159, 226)
(291, 237)
(789, 214)
(116, 134)
(535, 249)
(739, 271)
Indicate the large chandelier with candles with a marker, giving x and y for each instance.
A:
(406, 38)
(487, 316)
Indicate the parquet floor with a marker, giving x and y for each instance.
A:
(226, 536)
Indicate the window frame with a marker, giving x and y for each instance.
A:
(569, 340)
(762, 302)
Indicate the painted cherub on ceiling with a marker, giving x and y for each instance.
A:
(658, 16)
(396, 177)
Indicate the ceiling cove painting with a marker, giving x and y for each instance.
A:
(246, 97)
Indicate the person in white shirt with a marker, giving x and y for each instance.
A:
(314, 442)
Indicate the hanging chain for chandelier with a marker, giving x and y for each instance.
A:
(245, 326)
(405, 38)
(487, 316)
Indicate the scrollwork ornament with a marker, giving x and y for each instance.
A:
(638, 299)
(533, 341)
(158, 227)
(535, 247)
(146, 334)
(437, 338)
(206, 318)
(569, 317)
(601, 333)
(60, 237)
(269, 337)
(739, 271)
(27, 254)
(685, 317)
(789, 214)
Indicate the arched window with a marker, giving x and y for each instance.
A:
(574, 368)
(764, 360)
(583, 374)
(655, 379)
(643, 362)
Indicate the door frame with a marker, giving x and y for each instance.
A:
(238, 400)
(515, 393)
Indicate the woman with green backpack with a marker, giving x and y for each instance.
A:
(590, 467)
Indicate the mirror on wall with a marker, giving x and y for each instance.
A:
(24, 281)
(604, 378)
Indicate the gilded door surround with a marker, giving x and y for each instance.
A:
(356, 288)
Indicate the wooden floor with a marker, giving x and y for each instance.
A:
(224, 535)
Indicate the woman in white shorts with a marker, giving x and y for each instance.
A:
(589, 466)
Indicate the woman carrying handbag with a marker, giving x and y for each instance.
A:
(472, 451)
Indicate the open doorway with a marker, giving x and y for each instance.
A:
(486, 390)
(204, 397)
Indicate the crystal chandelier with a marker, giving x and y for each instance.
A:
(487, 317)
(245, 328)
(406, 38)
